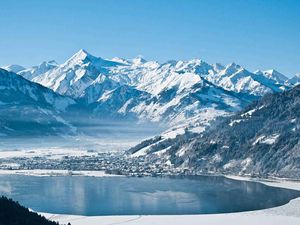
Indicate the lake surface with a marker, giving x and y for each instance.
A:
(93, 196)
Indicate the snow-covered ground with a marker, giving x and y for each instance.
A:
(288, 214)
(71, 146)
(51, 153)
(44, 172)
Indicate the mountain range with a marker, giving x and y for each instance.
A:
(170, 93)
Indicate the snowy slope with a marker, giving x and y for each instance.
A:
(35, 71)
(294, 80)
(75, 75)
(238, 79)
(13, 68)
(27, 107)
(263, 139)
(273, 75)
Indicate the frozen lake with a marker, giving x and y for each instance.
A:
(93, 196)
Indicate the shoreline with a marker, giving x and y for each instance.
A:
(273, 182)
(285, 214)
(51, 172)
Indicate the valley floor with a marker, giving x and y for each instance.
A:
(286, 214)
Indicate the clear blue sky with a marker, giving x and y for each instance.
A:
(254, 33)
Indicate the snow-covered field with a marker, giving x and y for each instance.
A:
(288, 214)
(51, 153)
(71, 146)
(44, 172)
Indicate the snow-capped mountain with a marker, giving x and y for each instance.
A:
(168, 92)
(295, 79)
(13, 68)
(29, 108)
(263, 139)
(75, 75)
(279, 78)
(35, 71)
(238, 79)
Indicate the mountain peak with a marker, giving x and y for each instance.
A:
(13, 68)
(233, 65)
(218, 66)
(120, 60)
(52, 62)
(81, 55)
(49, 63)
(258, 72)
(295, 80)
(231, 68)
(197, 61)
(275, 75)
(138, 60)
(272, 71)
(83, 51)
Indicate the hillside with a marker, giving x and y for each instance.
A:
(27, 108)
(263, 139)
(12, 213)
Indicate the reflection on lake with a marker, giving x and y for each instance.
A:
(141, 196)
